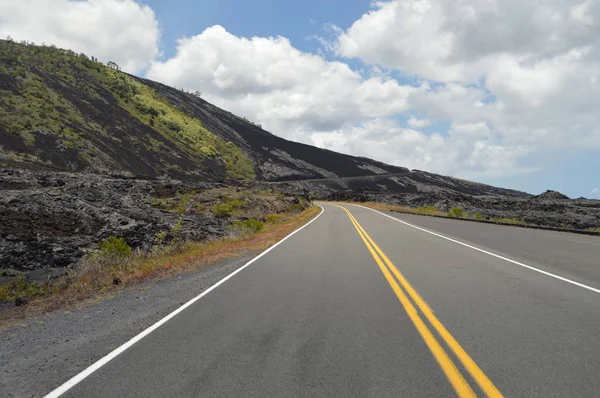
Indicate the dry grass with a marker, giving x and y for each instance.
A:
(427, 210)
(513, 221)
(97, 280)
(432, 211)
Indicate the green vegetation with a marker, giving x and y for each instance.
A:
(506, 220)
(113, 248)
(273, 218)
(64, 95)
(223, 210)
(593, 229)
(457, 212)
(430, 209)
(117, 272)
(189, 133)
(226, 202)
(249, 226)
(236, 203)
(249, 121)
(36, 106)
(18, 287)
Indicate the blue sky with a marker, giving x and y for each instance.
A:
(291, 19)
(572, 172)
(472, 89)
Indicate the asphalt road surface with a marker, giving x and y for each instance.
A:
(357, 304)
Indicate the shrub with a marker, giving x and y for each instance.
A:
(147, 110)
(479, 216)
(249, 226)
(236, 203)
(456, 212)
(172, 126)
(208, 150)
(222, 210)
(114, 247)
(18, 287)
(273, 218)
(160, 237)
(427, 210)
(294, 208)
(507, 220)
(199, 207)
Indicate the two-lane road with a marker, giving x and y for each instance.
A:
(359, 304)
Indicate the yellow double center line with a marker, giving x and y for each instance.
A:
(460, 385)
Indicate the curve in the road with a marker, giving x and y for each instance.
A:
(584, 286)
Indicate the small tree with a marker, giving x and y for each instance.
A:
(9, 38)
(113, 65)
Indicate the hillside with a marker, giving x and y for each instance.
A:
(65, 111)
(88, 152)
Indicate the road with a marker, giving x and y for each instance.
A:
(359, 304)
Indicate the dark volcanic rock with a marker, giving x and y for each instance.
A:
(549, 194)
(50, 220)
(19, 301)
(559, 213)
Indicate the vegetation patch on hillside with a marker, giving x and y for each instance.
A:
(189, 133)
(67, 110)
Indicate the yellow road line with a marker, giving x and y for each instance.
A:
(458, 382)
(484, 382)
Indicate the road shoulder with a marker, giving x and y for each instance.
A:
(37, 353)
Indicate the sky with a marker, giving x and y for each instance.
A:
(500, 92)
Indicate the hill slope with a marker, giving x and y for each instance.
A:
(63, 111)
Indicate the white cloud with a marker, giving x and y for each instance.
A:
(418, 123)
(460, 41)
(595, 193)
(508, 79)
(268, 80)
(527, 70)
(121, 31)
(469, 150)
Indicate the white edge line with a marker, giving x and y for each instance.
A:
(113, 354)
(486, 252)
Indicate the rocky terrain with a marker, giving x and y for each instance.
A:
(418, 188)
(415, 181)
(546, 209)
(88, 152)
(50, 220)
